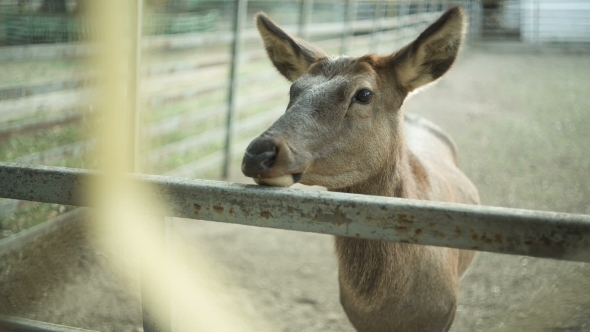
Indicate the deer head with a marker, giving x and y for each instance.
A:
(343, 122)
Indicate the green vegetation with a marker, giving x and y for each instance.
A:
(25, 144)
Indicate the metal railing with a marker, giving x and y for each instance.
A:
(15, 324)
(483, 228)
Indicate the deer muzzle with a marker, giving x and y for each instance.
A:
(270, 161)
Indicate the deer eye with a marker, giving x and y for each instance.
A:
(364, 96)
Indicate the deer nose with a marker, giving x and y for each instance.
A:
(260, 157)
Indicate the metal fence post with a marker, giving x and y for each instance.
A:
(163, 322)
(466, 5)
(378, 18)
(134, 83)
(305, 18)
(402, 16)
(349, 15)
(421, 7)
(170, 252)
(536, 23)
(475, 22)
(148, 321)
(239, 18)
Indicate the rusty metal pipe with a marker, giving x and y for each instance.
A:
(494, 229)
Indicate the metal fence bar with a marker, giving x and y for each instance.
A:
(169, 239)
(8, 130)
(161, 43)
(156, 321)
(135, 83)
(241, 7)
(21, 91)
(305, 18)
(29, 235)
(15, 324)
(536, 18)
(348, 31)
(149, 323)
(379, 15)
(500, 230)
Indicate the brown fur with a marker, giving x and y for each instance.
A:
(328, 138)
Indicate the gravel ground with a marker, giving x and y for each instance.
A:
(63, 279)
(522, 125)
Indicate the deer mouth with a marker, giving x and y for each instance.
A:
(270, 161)
(286, 180)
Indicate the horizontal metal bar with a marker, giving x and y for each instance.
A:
(49, 103)
(42, 122)
(58, 153)
(193, 40)
(15, 324)
(29, 235)
(172, 123)
(21, 91)
(500, 230)
(208, 163)
(216, 134)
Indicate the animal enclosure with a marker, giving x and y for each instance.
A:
(519, 117)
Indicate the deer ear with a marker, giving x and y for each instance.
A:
(291, 56)
(431, 55)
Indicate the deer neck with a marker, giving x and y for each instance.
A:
(365, 266)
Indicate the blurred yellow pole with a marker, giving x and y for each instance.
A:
(127, 220)
(135, 82)
(111, 19)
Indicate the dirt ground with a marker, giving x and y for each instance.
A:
(522, 125)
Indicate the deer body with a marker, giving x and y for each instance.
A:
(344, 130)
(387, 286)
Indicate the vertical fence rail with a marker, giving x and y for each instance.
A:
(378, 17)
(401, 14)
(241, 7)
(148, 322)
(348, 31)
(134, 83)
(536, 24)
(305, 18)
(163, 322)
(169, 238)
(475, 20)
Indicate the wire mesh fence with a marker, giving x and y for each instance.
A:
(54, 21)
(186, 81)
(33, 22)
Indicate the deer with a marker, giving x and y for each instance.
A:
(344, 129)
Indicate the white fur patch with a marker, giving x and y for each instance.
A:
(280, 181)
